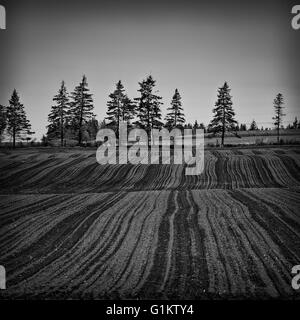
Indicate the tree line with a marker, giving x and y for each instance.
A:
(71, 115)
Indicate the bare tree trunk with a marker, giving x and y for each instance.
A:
(223, 130)
(62, 134)
(223, 135)
(14, 138)
(79, 135)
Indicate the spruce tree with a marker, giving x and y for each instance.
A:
(59, 113)
(2, 121)
(120, 107)
(295, 123)
(148, 106)
(128, 111)
(81, 108)
(223, 120)
(17, 122)
(253, 126)
(92, 128)
(278, 106)
(175, 116)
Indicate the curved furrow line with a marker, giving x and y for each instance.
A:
(289, 229)
(93, 264)
(233, 224)
(165, 177)
(119, 174)
(170, 254)
(139, 239)
(253, 173)
(198, 278)
(291, 169)
(155, 281)
(238, 172)
(267, 176)
(28, 229)
(65, 259)
(109, 266)
(58, 235)
(209, 164)
(147, 179)
(98, 239)
(160, 210)
(178, 282)
(133, 175)
(278, 256)
(279, 174)
(12, 177)
(21, 205)
(49, 257)
(41, 174)
(7, 165)
(25, 228)
(228, 247)
(216, 254)
(62, 172)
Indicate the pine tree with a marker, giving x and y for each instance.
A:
(120, 107)
(175, 117)
(81, 108)
(92, 128)
(17, 123)
(253, 126)
(196, 125)
(278, 106)
(2, 121)
(202, 126)
(148, 106)
(223, 120)
(59, 114)
(128, 111)
(295, 123)
(243, 127)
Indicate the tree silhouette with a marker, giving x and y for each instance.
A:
(175, 116)
(295, 123)
(120, 107)
(148, 106)
(60, 112)
(81, 107)
(278, 107)
(223, 120)
(17, 122)
(253, 126)
(2, 120)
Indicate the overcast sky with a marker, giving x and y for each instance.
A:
(191, 45)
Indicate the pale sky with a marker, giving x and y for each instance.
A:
(194, 46)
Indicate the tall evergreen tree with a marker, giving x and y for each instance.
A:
(2, 121)
(17, 122)
(148, 106)
(223, 120)
(59, 112)
(81, 107)
(128, 111)
(243, 127)
(175, 116)
(92, 128)
(278, 107)
(120, 107)
(295, 123)
(253, 126)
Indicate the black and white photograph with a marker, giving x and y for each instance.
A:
(149, 150)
